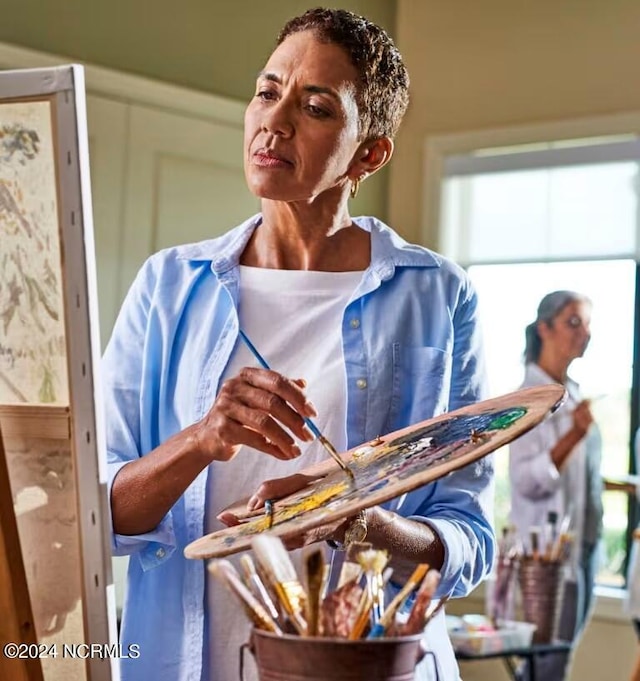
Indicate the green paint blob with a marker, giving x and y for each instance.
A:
(506, 419)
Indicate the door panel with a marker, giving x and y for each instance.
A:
(197, 200)
(185, 183)
(107, 123)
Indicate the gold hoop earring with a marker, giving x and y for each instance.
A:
(355, 185)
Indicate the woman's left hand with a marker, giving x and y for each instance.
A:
(282, 487)
(408, 541)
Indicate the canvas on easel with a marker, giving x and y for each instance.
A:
(49, 402)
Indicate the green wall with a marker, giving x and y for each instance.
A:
(216, 46)
(212, 45)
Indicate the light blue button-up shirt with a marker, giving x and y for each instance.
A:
(412, 350)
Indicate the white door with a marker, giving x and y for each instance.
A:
(185, 182)
(107, 123)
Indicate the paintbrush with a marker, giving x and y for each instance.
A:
(565, 524)
(563, 537)
(351, 570)
(271, 592)
(364, 609)
(389, 614)
(534, 537)
(362, 616)
(314, 565)
(415, 621)
(333, 452)
(386, 575)
(256, 585)
(562, 549)
(225, 572)
(430, 615)
(551, 533)
(326, 573)
(373, 563)
(275, 560)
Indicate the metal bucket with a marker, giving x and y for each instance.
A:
(298, 658)
(541, 585)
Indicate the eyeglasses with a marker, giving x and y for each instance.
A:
(574, 322)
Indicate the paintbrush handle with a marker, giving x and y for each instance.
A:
(263, 363)
(333, 452)
(254, 351)
(415, 620)
(389, 614)
(224, 571)
(430, 615)
(314, 565)
(257, 586)
(362, 617)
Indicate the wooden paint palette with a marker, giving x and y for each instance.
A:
(392, 465)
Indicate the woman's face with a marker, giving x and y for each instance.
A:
(301, 127)
(569, 333)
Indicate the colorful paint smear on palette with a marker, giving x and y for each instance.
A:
(314, 498)
(397, 459)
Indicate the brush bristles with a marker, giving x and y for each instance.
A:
(225, 572)
(373, 561)
(273, 556)
(248, 566)
(350, 572)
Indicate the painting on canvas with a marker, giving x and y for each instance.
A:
(32, 336)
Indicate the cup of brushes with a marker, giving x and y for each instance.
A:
(300, 629)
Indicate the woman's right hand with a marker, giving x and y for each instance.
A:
(582, 417)
(260, 409)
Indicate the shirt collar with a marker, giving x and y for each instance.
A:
(388, 249)
(536, 375)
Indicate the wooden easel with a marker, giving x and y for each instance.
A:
(57, 572)
(16, 624)
(635, 674)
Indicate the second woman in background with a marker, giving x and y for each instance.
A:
(556, 466)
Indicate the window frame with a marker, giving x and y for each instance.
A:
(442, 152)
(438, 148)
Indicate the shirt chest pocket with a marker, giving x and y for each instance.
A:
(421, 378)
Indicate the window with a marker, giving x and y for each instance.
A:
(531, 221)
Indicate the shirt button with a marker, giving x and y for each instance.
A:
(160, 553)
(355, 323)
(361, 383)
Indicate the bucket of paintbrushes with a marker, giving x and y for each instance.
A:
(303, 658)
(541, 585)
(349, 634)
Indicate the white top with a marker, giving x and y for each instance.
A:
(537, 486)
(294, 318)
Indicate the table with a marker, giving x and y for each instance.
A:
(530, 653)
(622, 483)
